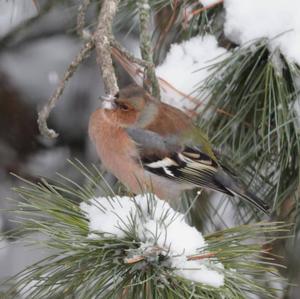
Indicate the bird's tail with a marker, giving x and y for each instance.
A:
(234, 187)
(253, 199)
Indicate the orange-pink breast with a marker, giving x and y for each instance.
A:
(119, 155)
(117, 151)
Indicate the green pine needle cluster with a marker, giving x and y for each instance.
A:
(253, 93)
(84, 267)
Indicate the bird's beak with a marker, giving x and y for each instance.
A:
(108, 102)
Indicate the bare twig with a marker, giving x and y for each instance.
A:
(207, 7)
(168, 22)
(133, 260)
(157, 250)
(145, 45)
(148, 252)
(102, 38)
(189, 15)
(200, 256)
(82, 9)
(132, 69)
(128, 55)
(44, 113)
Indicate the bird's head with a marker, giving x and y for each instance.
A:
(134, 106)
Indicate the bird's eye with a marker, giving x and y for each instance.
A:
(123, 107)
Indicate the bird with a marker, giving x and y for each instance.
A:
(151, 146)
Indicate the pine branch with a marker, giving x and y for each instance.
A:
(102, 36)
(123, 52)
(258, 94)
(82, 9)
(109, 266)
(205, 8)
(146, 49)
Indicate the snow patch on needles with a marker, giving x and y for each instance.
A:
(109, 216)
(277, 20)
(184, 67)
(199, 271)
(156, 225)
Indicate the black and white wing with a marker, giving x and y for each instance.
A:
(167, 157)
(188, 163)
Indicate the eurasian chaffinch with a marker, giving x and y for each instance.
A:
(152, 146)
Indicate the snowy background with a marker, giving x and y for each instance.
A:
(30, 68)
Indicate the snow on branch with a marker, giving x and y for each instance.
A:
(276, 20)
(186, 66)
(159, 230)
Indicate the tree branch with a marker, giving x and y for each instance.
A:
(102, 38)
(155, 250)
(82, 9)
(123, 51)
(207, 7)
(45, 111)
(145, 45)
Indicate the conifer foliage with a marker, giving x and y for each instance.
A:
(238, 77)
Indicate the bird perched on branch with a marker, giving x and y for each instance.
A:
(152, 146)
